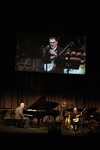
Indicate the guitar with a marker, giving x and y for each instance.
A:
(51, 66)
(76, 119)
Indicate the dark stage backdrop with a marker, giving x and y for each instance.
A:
(29, 86)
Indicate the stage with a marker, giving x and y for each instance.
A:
(52, 136)
(49, 129)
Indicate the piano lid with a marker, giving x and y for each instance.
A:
(42, 104)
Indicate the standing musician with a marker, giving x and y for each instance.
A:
(52, 55)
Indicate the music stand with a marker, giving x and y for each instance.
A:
(70, 63)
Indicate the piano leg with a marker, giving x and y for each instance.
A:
(38, 122)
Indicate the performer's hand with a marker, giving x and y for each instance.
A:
(53, 53)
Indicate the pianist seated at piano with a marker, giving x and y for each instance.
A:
(19, 115)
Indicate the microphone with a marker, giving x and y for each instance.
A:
(47, 47)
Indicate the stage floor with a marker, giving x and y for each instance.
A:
(48, 129)
(52, 136)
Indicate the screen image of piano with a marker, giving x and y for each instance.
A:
(41, 108)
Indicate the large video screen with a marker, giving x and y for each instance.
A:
(50, 52)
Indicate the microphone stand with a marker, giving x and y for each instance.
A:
(68, 63)
(66, 47)
(45, 57)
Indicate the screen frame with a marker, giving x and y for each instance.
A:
(44, 42)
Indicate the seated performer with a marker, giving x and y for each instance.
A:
(75, 119)
(19, 114)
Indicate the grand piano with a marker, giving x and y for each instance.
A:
(41, 108)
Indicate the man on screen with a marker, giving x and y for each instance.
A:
(52, 57)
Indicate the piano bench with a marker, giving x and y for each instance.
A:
(14, 122)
